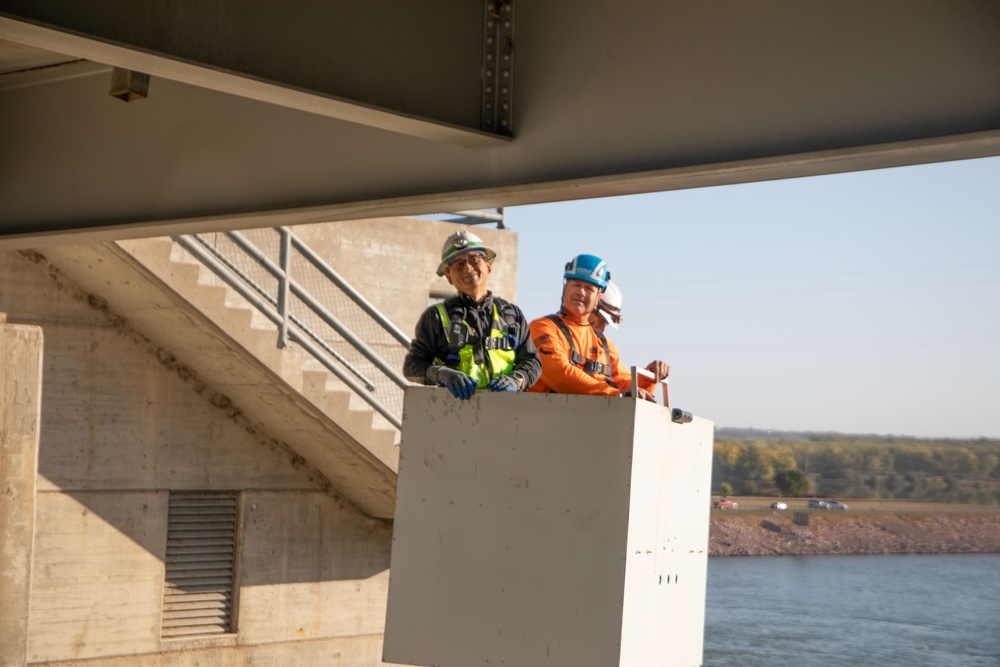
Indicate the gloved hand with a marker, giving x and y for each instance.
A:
(504, 383)
(458, 383)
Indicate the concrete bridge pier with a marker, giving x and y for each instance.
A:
(20, 418)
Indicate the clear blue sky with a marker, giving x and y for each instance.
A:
(866, 302)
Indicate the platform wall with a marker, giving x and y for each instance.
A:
(541, 529)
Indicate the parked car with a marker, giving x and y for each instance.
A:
(835, 505)
(816, 504)
(726, 505)
(778, 505)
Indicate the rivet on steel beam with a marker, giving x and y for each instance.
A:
(498, 44)
(497, 7)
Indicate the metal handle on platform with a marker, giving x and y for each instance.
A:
(677, 415)
(636, 372)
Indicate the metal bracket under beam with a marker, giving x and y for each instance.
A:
(128, 86)
(498, 66)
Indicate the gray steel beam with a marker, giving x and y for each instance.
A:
(419, 59)
(645, 96)
(329, 97)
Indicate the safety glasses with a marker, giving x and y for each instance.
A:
(474, 260)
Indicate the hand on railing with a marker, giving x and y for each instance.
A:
(458, 383)
(504, 383)
(652, 375)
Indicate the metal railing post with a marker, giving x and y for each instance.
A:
(310, 255)
(283, 280)
(310, 301)
(278, 307)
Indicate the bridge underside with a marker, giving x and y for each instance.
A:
(259, 113)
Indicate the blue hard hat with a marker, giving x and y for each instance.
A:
(588, 268)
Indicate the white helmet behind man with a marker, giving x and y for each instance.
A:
(610, 305)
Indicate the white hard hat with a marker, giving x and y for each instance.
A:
(460, 243)
(610, 305)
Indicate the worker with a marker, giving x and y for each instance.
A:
(577, 358)
(609, 307)
(473, 340)
(609, 311)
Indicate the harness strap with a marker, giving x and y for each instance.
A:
(494, 343)
(589, 366)
(607, 355)
(453, 314)
(456, 330)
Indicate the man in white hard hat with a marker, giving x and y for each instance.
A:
(609, 308)
(473, 340)
(609, 311)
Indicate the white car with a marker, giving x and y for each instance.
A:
(779, 506)
(835, 505)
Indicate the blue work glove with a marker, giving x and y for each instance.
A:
(504, 383)
(458, 383)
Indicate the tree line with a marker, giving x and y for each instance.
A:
(857, 466)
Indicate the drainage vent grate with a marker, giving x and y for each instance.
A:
(201, 552)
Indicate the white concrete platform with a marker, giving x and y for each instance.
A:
(554, 530)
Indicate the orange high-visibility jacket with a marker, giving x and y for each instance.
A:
(562, 377)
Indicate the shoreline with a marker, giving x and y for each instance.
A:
(772, 533)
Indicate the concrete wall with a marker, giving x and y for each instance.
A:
(119, 430)
(20, 404)
(392, 261)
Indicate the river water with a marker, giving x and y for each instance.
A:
(828, 611)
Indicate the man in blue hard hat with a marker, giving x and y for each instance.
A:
(473, 340)
(577, 358)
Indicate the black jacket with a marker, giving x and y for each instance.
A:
(430, 341)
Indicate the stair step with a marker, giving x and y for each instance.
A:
(244, 323)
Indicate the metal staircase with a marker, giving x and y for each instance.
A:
(259, 324)
(335, 407)
(315, 308)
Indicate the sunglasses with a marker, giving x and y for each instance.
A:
(473, 260)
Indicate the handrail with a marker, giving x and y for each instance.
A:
(217, 260)
(636, 372)
(290, 327)
(485, 215)
(482, 216)
(320, 310)
(335, 278)
(677, 415)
